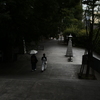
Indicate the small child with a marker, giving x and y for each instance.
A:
(44, 62)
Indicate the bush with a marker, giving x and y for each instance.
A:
(79, 36)
(97, 42)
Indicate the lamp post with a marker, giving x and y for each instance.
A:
(69, 52)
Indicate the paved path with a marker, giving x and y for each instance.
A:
(58, 82)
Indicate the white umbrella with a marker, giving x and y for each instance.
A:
(33, 52)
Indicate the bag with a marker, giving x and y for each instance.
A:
(45, 62)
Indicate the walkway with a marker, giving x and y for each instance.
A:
(58, 82)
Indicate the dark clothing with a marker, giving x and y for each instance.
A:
(33, 61)
(44, 58)
(33, 66)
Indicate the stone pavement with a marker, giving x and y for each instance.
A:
(58, 82)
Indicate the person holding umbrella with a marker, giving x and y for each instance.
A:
(33, 62)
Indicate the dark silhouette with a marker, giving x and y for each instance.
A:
(34, 62)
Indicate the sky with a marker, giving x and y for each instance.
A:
(97, 2)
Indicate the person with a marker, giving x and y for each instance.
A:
(34, 62)
(44, 62)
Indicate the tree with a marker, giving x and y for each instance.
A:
(33, 19)
(92, 36)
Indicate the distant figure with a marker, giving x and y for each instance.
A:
(33, 62)
(44, 62)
